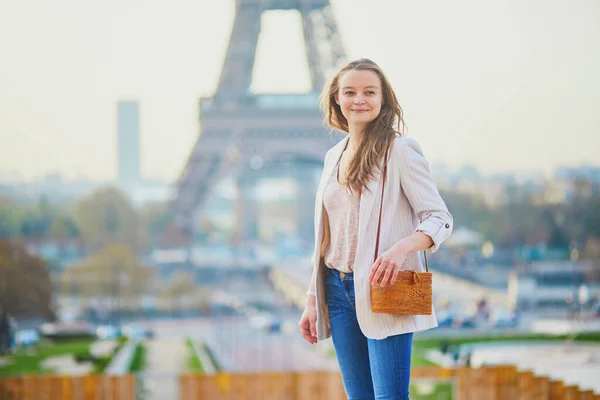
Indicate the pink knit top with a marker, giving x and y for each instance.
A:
(343, 208)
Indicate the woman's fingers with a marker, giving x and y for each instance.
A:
(388, 272)
(383, 272)
(394, 276)
(313, 327)
(376, 273)
(380, 273)
(374, 270)
(308, 328)
(304, 326)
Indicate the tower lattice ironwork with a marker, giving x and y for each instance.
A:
(238, 126)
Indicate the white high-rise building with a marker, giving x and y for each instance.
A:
(128, 126)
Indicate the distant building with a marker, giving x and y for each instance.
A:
(128, 140)
(557, 192)
(554, 285)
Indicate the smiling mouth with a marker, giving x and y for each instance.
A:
(359, 111)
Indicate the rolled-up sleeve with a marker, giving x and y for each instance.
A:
(422, 193)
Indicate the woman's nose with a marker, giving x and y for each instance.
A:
(359, 100)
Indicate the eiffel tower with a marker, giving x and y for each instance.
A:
(241, 130)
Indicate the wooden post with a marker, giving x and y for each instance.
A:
(586, 395)
(206, 387)
(571, 392)
(113, 387)
(461, 387)
(333, 386)
(9, 388)
(56, 387)
(309, 386)
(483, 383)
(241, 386)
(16, 388)
(44, 386)
(186, 387)
(66, 388)
(526, 385)
(541, 387)
(78, 388)
(28, 387)
(90, 385)
(557, 390)
(132, 387)
(507, 382)
(265, 385)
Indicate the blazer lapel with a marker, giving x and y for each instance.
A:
(367, 201)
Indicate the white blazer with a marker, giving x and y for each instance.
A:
(411, 203)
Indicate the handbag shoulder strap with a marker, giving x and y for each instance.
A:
(381, 210)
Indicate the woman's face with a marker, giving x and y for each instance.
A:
(359, 97)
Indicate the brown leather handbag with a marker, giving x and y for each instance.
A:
(411, 294)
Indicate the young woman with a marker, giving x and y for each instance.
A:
(373, 349)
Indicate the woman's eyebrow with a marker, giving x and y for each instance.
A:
(368, 87)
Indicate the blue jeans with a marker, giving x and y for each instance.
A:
(371, 369)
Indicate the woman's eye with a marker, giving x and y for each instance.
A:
(347, 93)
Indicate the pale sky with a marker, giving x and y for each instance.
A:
(505, 85)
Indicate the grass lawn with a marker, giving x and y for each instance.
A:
(29, 362)
(193, 364)
(422, 345)
(139, 358)
(428, 390)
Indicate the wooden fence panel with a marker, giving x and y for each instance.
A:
(571, 392)
(462, 383)
(541, 388)
(507, 382)
(478, 383)
(557, 390)
(207, 387)
(60, 387)
(525, 385)
(586, 395)
(308, 385)
(490, 383)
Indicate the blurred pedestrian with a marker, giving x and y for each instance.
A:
(373, 349)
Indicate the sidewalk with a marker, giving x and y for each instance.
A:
(166, 359)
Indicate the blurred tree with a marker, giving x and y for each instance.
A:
(10, 218)
(154, 219)
(113, 272)
(591, 224)
(181, 283)
(107, 216)
(64, 229)
(183, 286)
(37, 220)
(521, 221)
(25, 285)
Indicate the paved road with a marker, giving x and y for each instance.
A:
(166, 358)
(241, 348)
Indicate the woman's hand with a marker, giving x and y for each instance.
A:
(308, 321)
(386, 267)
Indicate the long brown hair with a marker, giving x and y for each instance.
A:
(378, 134)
